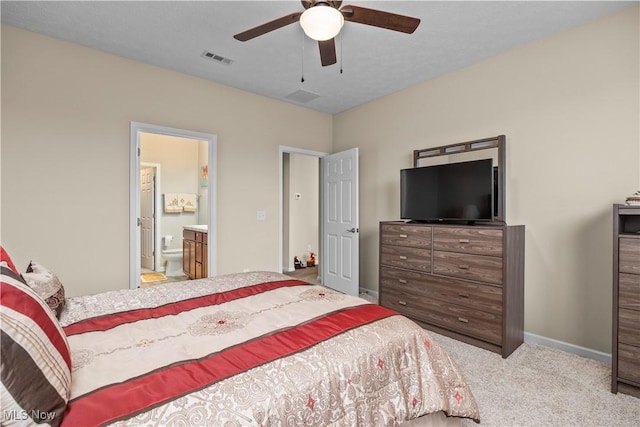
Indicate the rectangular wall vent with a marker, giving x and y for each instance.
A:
(217, 58)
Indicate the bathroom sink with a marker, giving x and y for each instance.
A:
(201, 228)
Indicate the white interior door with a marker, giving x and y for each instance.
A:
(341, 248)
(147, 225)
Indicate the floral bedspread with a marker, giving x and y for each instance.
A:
(255, 348)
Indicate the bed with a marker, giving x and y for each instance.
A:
(258, 348)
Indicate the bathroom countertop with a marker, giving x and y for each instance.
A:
(201, 228)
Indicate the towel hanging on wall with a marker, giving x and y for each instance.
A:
(172, 203)
(189, 202)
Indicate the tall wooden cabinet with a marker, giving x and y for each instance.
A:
(195, 254)
(466, 282)
(625, 360)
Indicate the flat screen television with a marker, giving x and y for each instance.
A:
(453, 192)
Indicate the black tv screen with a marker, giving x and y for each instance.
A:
(449, 192)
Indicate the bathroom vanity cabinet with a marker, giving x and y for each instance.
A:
(194, 254)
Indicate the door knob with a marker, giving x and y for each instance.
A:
(352, 230)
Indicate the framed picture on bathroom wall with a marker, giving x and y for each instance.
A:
(204, 176)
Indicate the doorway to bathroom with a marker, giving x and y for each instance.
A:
(173, 185)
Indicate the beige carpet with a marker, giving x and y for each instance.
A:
(541, 386)
(309, 274)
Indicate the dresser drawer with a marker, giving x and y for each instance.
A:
(478, 324)
(629, 326)
(412, 258)
(629, 255)
(415, 236)
(629, 291)
(473, 267)
(480, 241)
(629, 362)
(425, 286)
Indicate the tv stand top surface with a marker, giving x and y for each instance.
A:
(471, 223)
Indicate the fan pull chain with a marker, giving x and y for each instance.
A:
(302, 60)
(341, 37)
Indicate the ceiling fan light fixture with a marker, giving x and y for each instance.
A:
(321, 22)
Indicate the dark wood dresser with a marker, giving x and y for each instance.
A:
(465, 282)
(625, 357)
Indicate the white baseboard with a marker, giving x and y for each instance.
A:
(570, 348)
(369, 292)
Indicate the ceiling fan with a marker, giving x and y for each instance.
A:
(322, 21)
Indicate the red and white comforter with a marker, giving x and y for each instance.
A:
(252, 349)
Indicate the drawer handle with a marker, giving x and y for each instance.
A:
(404, 236)
(402, 302)
(463, 240)
(463, 295)
(402, 257)
(404, 282)
(463, 266)
(463, 319)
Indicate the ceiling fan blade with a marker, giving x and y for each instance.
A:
(327, 52)
(268, 27)
(378, 18)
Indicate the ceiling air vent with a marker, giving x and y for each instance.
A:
(216, 58)
(302, 96)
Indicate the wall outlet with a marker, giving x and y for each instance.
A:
(261, 215)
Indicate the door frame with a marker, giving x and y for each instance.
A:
(136, 129)
(282, 150)
(157, 238)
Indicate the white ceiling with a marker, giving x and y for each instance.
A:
(375, 62)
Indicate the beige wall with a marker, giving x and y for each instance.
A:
(569, 106)
(66, 112)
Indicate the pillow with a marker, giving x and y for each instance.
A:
(4, 256)
(36, 364)
(47, 286)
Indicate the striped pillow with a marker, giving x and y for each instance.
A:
(36, 364)
(4, 256)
